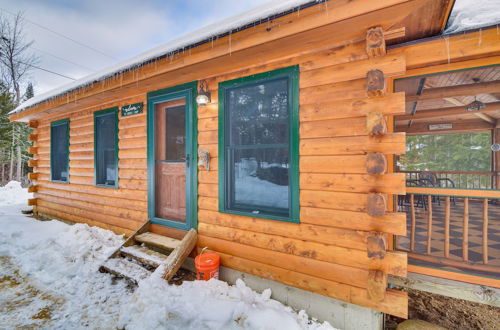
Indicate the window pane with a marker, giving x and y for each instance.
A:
(176, 144)
(258, 113)
(258, 180)
(106, 169)
(59, 152)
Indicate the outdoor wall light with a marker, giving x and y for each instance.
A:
(203, 97)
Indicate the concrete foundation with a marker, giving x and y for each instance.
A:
(339, 314)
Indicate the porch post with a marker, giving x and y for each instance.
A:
(496, 156)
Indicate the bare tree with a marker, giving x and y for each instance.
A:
(16, 61)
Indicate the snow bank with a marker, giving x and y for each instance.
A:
(471, 14)
(12, 193)
(177, 45)
(62, 262)
(208, 305)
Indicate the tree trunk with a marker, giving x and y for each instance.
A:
(11, 168)
(19, 164)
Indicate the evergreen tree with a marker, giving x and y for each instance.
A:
(6, 133)
(30, 92)
(448, 152)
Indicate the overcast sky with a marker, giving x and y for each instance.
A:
(117, 28)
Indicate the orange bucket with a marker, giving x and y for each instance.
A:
(207, 265)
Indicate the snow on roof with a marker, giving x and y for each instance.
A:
(213, 31)
(473, 14)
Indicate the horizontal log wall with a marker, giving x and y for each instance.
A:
(122, 210)
(327, 252)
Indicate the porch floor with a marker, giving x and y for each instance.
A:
(475, 235)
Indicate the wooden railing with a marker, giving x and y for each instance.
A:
(458, 179)
(428, 208)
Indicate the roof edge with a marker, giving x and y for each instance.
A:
(127, 68)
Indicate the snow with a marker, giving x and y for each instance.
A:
(11, 194)
(254, 191)
(49, 279)
(127, 268)
(134, 251)
(472, 14)
(256, 14)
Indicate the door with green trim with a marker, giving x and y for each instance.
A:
(171, 157)
(170, 160)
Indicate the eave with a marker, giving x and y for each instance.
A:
(325, 25)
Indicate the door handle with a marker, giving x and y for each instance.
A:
(186, 159)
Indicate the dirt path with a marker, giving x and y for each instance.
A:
(449, 313)
(21, 304)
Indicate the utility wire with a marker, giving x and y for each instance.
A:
(63, 59)
(46, 70)
(62, 35)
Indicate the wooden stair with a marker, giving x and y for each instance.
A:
(144, 252)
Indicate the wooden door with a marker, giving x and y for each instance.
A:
(170, 160)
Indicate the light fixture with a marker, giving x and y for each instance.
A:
(475, 105)
(203, 97)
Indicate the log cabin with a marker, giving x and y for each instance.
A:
(277, 135)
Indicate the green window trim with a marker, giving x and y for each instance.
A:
(96, 115)
(53, 124)
(292, 73)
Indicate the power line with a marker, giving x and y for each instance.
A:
(46, 70)
(62, 35)
(63, 59)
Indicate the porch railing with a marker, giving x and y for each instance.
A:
(450, 228)
(457, 179)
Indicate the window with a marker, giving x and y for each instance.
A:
(258, 145)
(59, 150)
(106, 147)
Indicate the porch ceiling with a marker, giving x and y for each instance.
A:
(442, 98)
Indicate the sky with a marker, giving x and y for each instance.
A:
(116, 29)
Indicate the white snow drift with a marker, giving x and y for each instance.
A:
(61, 261)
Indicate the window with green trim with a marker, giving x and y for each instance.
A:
(106, 147)
(59, 150)
(259, 145)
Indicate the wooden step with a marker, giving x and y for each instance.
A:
(144, 255)
(158, 241)
(126, 269)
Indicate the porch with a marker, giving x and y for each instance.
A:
(452, 232)
(452, 167)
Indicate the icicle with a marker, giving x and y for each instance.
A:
(480, 41)
(447, 41)
(229, 43)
